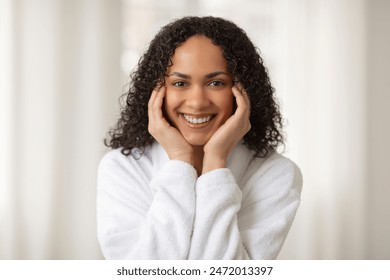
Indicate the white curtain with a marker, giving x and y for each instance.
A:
(324, 85)
(58, 98)
(63, 65)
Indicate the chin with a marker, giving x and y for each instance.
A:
(196, 141)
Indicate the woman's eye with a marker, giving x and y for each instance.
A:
(216, 83)
(179, 84)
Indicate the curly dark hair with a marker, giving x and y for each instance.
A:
(244, 64)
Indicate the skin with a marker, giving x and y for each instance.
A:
(198, 85)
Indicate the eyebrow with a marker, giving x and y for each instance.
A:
(188, 77)
(180, 75)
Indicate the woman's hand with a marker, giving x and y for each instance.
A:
(169, 137)
(220, 145)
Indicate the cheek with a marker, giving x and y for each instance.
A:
(225, 104)
(171, 102)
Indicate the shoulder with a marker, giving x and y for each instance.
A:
(114, 165)
(116, 161)
(250, 170)
(279, 165)
(113, 158)
(276, 175)
(150, 155)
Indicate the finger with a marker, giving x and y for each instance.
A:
(158, 102)
(244, 92)
(242, 99)
(152, 98)
(239, 86)
(155, 110)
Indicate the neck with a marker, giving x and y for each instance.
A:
(198, 158)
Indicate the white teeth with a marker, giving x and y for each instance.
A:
(197, 120)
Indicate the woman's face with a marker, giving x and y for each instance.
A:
(198, 98)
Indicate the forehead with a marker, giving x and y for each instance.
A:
(198, 54)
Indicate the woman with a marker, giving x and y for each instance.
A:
(193, 173)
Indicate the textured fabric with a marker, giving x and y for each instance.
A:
(150, 207)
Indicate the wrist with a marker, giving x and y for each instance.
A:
(183, 156)
(212, 162)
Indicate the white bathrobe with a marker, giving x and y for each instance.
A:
(150, 207)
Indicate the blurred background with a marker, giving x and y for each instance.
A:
(64, 64)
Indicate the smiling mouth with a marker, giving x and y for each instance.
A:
(197, 120)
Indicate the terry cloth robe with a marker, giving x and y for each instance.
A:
(150, 207)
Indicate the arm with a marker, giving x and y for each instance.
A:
(271, 197)
(138, 219)
(216, 234)
(248, 222)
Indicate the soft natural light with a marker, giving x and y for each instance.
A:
(64, 64)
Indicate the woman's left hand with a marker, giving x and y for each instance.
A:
(220, 145)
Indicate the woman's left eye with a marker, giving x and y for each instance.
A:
(216, 83)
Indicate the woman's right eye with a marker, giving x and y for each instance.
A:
(179, 84)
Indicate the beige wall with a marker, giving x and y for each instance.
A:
(378, 136)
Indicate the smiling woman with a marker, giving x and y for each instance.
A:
(200, 101)
(194, 172)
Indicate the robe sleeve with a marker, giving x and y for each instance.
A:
(139, 218)
(249, 221)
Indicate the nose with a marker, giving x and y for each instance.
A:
(197, 98)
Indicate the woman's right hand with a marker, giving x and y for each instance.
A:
(169, 137)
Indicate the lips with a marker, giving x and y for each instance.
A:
(197, 119)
